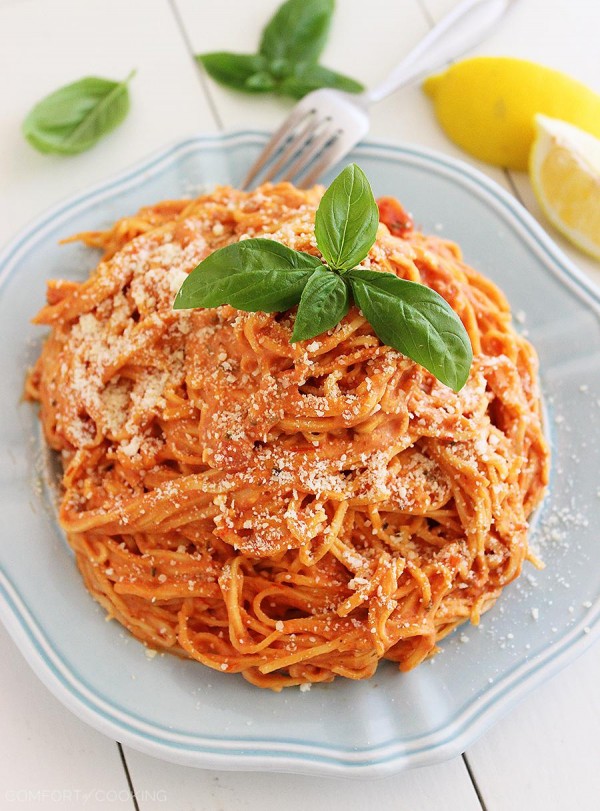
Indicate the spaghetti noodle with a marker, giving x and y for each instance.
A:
(292, 512)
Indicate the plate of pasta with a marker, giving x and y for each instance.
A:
(317, 556)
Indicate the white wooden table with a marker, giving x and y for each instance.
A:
(545, 754)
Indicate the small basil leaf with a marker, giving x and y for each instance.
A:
(325, 301)
(416, 321)
(298, 30)
(76, 116)
(347, 219)
(234, 70)
(307, 78)
(260, 82)
(253, 275)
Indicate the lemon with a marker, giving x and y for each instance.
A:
(486, 105)
(564, 167)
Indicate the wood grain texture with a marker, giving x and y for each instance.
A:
(427, 788)
(48, 43)
(48, 757)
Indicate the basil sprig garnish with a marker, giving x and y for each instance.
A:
(287, 59)
(76, 116)
(263, 275)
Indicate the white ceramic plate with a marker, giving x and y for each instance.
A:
(185, 713)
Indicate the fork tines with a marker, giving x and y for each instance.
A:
(302, 137)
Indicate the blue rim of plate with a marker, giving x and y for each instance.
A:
(292, 755)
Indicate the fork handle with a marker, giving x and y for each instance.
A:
(463, 28)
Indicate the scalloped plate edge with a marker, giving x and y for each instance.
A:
(291, 756)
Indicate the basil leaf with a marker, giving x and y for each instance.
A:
(416, 321)
(76, 116)
(286, 64)
(236, 70)
(298, 30)
(307, 78)
(261, 82)
(347, 219)
(253, 275)
(325, 301)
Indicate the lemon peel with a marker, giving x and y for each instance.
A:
(486, 105)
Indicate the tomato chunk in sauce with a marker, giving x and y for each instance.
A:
(397, 219)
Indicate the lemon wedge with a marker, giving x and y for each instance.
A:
(486, 105)
(564, 167)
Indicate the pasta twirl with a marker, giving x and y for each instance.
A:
(292, 512)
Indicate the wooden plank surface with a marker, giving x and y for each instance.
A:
(48, 757)
(48, 43)
(544, 754)
(427, 788)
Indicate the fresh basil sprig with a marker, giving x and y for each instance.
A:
(287, 60)
(261, 274)
(76, 116)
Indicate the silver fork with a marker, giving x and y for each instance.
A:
(326, 124)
